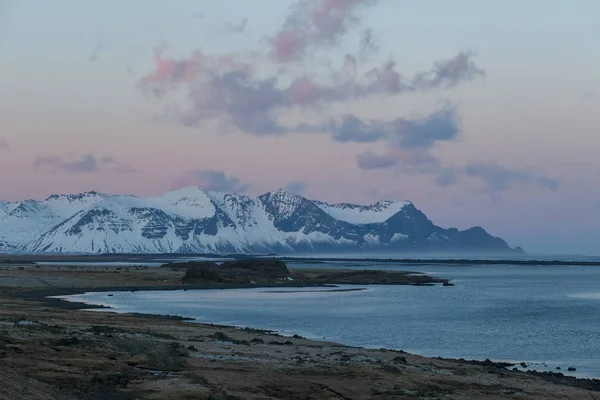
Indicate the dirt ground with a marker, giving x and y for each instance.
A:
(49, 350)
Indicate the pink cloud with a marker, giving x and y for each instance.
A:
(303, 91)
(212, 180)
(287, 46)
(314, 23)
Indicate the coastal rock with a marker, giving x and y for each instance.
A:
(250, 267)
(239, 271)
(203, 272)
(268, 271)
(376, 277)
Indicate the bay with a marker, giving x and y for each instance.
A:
(547, 316)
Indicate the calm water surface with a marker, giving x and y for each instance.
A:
(549, 316)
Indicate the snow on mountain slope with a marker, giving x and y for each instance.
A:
(192, 220)
(190, 202)
(64, 206)
(285, 203)
(18, 221)
(361, 214)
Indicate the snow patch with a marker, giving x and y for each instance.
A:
(398, 236)
(361, 214)
(372, 240)
(193, 220)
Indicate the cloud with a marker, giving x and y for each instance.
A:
(368, 45)
(212, 180)
(440, 126)
(169, 72)
(418, 133)
(498, 178)
(589, 94)
(313, 24)
(122, 168)
(3, 144)
(352, 129)
(247, 101)
(449, 73)
(238, 27)
(71, 163)
(245, 91)
(252, 91)
(95, 53)
(197, 15)
(87, 163)
(232, 91)
(447, 176)
(415, 161)
(296, 187)
(119, 167)
(409, 142)
(369, 160)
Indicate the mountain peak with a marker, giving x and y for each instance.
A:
(193, 220)
(364, 214)
(283, 192)
(386, 203)
(188, 191)
(282, 202)
(72, 197)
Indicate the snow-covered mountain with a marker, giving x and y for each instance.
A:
(192, 220)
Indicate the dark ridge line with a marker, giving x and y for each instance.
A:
(159, 257)
(418, 261)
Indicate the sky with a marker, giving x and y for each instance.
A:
(480, 113)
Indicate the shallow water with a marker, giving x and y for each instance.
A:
(549, 316)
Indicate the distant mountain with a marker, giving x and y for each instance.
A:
(192, 220)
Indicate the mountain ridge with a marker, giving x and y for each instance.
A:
(193, 220)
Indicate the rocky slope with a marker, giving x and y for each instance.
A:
(192, 220)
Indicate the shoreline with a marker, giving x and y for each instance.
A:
(497, 363)
(46, 344)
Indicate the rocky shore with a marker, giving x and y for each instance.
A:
(275, 272)
(50, 350)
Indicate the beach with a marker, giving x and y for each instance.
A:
(51, 349)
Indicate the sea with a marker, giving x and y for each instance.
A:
(547, 317)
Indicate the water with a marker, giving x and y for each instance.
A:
(549, 316)
(400, 256)
(98, 263)
(142, 263)
(341, 260)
